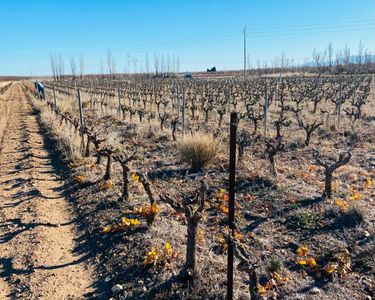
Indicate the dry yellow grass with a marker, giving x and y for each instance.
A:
(198, 150)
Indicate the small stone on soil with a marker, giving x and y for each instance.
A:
(117, 288)
(315, 290)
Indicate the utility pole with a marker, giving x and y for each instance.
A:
(244, 52)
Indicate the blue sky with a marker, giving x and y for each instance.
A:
(201, 33)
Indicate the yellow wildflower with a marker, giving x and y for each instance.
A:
(311, 262)
(368, 183)
(302, 251)
(344, 205)
(223, 242)
(330, 268)
(130, 222)
(200, 236)
(238, 235)
(145, 211)
(151, 257)
(261, 290)
(223, 208)
(80, 179)
(168, 248)
(105, 184)
(355, 196)
(106, 229)
(301, 262)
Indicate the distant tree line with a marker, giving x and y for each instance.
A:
(164, 66)
(328, 61)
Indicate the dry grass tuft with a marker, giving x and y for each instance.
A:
(198, 151)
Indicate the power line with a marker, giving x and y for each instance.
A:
(260, 32)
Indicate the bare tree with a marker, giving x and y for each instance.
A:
(339, 61)
(248, 63)
(147, 64)
(111, 64)
(61, 67)
(128, 62)
(162, 64)
(360, 56)
(81, 66)
(53, 67)
(174, 63)
(178, 64)
(330, 57)
(168, 64)
(346, 56)
(101, 68)
(156, 64)
(135, 65)
(283, 60)
(319, 60)
(73, 67)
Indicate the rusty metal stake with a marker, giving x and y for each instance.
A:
(232, 186)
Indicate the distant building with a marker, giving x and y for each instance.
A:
(188, 75)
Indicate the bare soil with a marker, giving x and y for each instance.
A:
(275, 216)
(40, 255)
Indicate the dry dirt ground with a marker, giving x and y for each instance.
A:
(39, 248)
(275, 217)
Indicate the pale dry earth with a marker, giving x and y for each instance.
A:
(39, 248)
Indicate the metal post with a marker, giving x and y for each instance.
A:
(340, 104)
(265, 111)
(119, 103)
(80, 118)
(229, 94)
(91, 96)
(232, 186)
(177, 101)
(183, 112)
(80, 108)
(54, 96)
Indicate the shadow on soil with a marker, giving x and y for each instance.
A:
(86, 243)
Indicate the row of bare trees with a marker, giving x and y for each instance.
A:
(328, 60)
(58, 67)
(165, 66)
(344, 60)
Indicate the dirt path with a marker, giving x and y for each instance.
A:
(39, 253)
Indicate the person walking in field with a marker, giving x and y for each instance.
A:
(39, 89)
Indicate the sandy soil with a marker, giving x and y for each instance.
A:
(39, 251)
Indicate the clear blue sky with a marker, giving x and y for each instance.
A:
(202, 33)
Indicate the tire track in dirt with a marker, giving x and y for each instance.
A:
(5, 109)
(38, 247)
